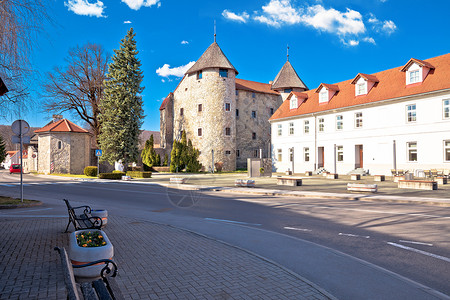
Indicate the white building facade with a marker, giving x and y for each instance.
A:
(395, 119)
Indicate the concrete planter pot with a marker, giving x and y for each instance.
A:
(101, 213)
(81, 255)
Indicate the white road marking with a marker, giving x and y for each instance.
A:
(234, 222)
(354, 235)
(417, 243)
(420, 251)
(298, 229)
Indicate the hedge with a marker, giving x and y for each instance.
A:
(90, 171)
(117, 171)
(116, 175)
(139, 174)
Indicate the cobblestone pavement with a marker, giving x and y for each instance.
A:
(155, 262)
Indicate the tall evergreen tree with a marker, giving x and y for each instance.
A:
(148, 154)
(2, 149)
(121, 110)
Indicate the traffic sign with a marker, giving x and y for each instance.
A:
(20, 127)
(98, 152)
(16, 139)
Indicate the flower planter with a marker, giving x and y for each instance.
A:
(101, 213)
(81, 255)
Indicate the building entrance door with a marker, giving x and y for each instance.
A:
(320, 157)
(359, 163)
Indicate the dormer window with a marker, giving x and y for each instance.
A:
(416, 70)
(414, 76)
(361, 89)
(364, 83)
(294, 102)
(323, 96)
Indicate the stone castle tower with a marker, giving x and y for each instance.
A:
(222, 114)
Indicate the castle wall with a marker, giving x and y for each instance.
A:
(212, 92)
(166, 127)
(44, 153)
(79, 157)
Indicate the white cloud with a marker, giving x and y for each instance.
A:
(85, 8)
(166, 70)
(389, 27)
(126, 22)
(137, 4)
(279, 12)
(184, 42)
(369, 40)
(235, 17)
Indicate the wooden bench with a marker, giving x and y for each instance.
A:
(361, 187)
(244, 182)
(417, 184)
(83, 220)
(103, 288)
(379, 178)
(177, 180)
(292, 181)
(308, 173)
(355, 177)
(332, 176)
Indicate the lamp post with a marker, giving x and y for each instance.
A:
(212, 160)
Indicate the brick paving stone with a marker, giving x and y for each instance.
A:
(155, 262)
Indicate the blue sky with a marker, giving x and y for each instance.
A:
(329, 40)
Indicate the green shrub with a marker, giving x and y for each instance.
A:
(117, 171)
(90, 171)
(117, 175)
(139, 174)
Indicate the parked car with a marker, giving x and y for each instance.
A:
(14, 168)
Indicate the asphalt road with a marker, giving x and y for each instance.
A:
(410, 240)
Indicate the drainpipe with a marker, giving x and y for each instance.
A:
(316, 159)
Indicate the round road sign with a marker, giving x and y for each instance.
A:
(20, 127)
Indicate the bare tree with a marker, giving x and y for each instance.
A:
(20, 22)
(79, 87)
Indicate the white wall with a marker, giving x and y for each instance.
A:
(382, 124)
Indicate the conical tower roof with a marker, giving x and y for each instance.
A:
(288, 78)
(213, 57)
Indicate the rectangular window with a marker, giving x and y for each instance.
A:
(306, 127)
(199, 132)
(280, 155)
(291, 154)
(227, 106)
(280, 129)
(228, 131)
(340, 153)
(253, 135)
(254, 114)
(412, 151)
(200, 107)
(447, 151)
(287, 90)
(411, 113)
(339, 122)
(306, 153)
(293, 102)
(238, 153)
(446, 108)
(181, 111)
(227, 152)
(237, 112)
(291, 128)
(199, 75)
(358, 120)
(323, 96)
(414, 76)
(271, 111)
(223, 73)
(253, 95)
(361, 89)
(255, 153)
(237, 92)
(321, 125)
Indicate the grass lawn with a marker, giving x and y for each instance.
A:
(12, 201)
(72, 175)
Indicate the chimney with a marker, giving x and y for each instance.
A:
(56, 118)
(271, 82)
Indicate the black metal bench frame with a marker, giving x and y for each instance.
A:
(82, 220)
(104, 288)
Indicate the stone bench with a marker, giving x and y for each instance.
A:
(308, 173)
(292, 181)
(417, 184)
(178, 180)
(379, 178)
(244, 182)
(332, 176)
(355, 177)
(361, 187)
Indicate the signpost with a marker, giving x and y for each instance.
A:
(98, 153)
(20, 127)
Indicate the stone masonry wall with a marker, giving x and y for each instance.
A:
(79, 152)
(212, 91)
(166, 128)
(44, 153)
(261, 103)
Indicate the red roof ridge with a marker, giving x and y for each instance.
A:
(333, 87)
(368, 77)
(299, 95)
(421, 63)
(59, 127)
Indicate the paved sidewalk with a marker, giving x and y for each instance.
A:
(155, 262)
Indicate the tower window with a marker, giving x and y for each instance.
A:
(223, 73)
(228, 131)
(237, 112)
(253, 135)
(227, 152)
(199, 132)
(200, 107)
(254, 114)
(59, 145)
(181, 111)
(227, 106)
(199, 75)
(287, 90)
(238, 153)
(271, 111)
(253, 95)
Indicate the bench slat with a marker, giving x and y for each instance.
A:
(88, 291)
(102, 291)
(114, 289)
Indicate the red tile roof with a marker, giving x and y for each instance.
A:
(11, 153)
(254, 86)
(366, 77)
(421, 63)
(63, 125)
(165, 102)
(391, 85)
(332, 87)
